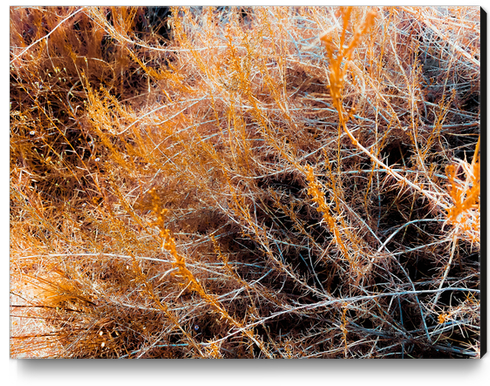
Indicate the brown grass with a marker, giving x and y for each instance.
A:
(267, 182)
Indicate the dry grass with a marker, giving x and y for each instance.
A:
(276, 182)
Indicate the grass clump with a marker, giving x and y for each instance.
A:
(266, 182)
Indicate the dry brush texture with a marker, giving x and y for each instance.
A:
(245, 182)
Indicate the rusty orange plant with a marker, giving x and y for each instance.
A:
(245, 182)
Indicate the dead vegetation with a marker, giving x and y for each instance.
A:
(267, 182)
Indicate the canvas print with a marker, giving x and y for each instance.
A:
(245, 182)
